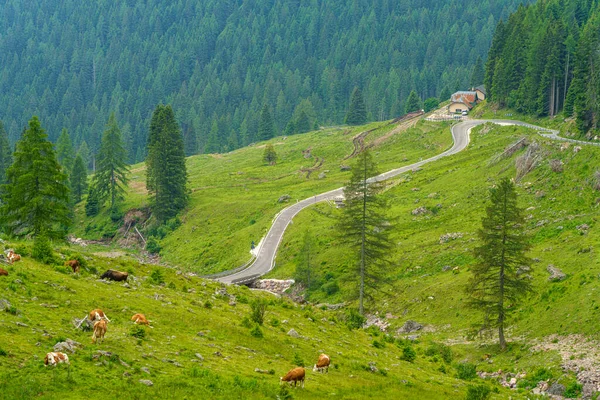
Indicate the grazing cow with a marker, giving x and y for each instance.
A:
(115, 275)
(99, 330)
(74, 264)
(295, 375)
(140, 319)
(322, 364)
(3, 272)
(12, 257)
(97, 315)
(56, 358)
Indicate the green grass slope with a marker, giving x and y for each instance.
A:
(234, 195)
(192, 316)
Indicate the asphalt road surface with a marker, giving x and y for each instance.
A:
(267, 250)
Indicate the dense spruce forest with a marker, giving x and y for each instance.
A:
(219, 62)
(542, 61)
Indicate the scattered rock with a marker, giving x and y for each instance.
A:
(261, 371)
(556, 389)
(523, 270)
(556, 274)
(199, 356)
(446, 268)
(177, 364)
(67, 345)
(413, 338)
(576, 149)
(322, 175)
(22, 324)
(4, 305)
(284, 198)
(450, 236)
(146, 382)
(583, 228)
(126, 374)
(331, 306)
(218, 354)
(232, 301)
(292, 332)
(419, 211)
(18, 281)
(410, 326)
(277, 286)
(145, 370)
(372, 367)
(123, 363)
(345, 168)
(374, 320)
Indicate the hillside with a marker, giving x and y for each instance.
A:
(198, 346)
(234, 196)
(218, 61)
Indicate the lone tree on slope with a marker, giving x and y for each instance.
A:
(413, 103)
(495, 286)
(357, 112)
(364, 228)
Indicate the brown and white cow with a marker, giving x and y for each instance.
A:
(295, 375)
(74, 264)
(322, 364)
(99, 331)
(55, 358)
(113, 275)
(12, 257)
(140, 319)
(3, 272)
(97, 315)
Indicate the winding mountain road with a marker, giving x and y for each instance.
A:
(267, 249)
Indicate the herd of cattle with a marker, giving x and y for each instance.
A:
(98, 319)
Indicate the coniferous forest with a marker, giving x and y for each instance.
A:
(541, 62)
(220, 62)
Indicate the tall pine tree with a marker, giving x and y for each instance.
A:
(166, 170)
(266, 127)
(357, 112)
(35, 199)
(413, 103)
(78, 179)
(64, 151)
(5, 154)
(111, 174)
(495, 286)
(364, 227)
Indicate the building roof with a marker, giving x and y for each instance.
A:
(481, 88)
(468, 98)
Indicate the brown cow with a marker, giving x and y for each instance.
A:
(115, 275)
(74, 264)
(99, 330)
(3, 272)
(12, 257)
(295, 375)
(322, 364)
(140, 319)
(97, 315)
(55, 358)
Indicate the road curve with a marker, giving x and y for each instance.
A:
(265, 255)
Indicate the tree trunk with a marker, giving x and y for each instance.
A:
(566, 77)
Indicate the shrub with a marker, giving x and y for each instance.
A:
(573, 390)
(208, 304)
(479, 392)
(258, 308)
(12, 310)
(408, 354)
(42, 250)
(256, 332)
(354, 320)
(298, 361)
(137, 332)
(284, 393)
(3, 352)
(331, 288)
(116, 215)
(157, 276)
(532, 380)
(152, 245)
(556, 165)
(438, 349)
(172, 286)
(466, 371)
(378, 345)
(246, 323)
(274, 322)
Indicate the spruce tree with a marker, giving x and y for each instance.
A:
(302, 124)
(357, 112)
(64, 151)
(5, 154)
(166, 170)
(266, 127)
(85, 153)
(478, 74)
(92, 205)
(35, 199)
(495, 286)
(413, 103)
(111, 174)
(78, 179)
(364, 227)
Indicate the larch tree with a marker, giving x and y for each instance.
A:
(64, 151)
(111, 173)
(413, 103)
(166, 170)
(35, 199)
(266, 127)
(495, 286)
(78, 179)
(269, 155)
(357, 112)
(5, 154)
(364, 227)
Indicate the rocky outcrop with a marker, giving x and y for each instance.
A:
(375, 320)
(410, 326)
(450, 236)
(277, 286)
(556, 275)
(284, 198)
(67, 345)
